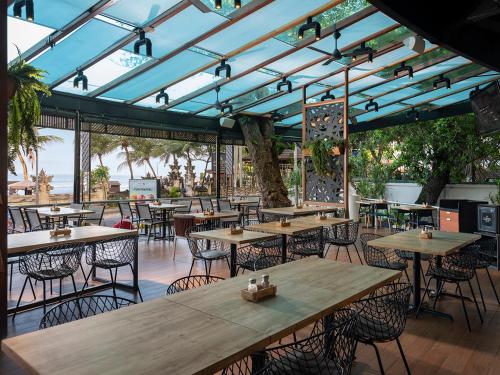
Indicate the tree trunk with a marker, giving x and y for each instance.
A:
(258, 133)
(207, 161)
(151, 167)
(23, 166)
(100, 160)
(433, 187)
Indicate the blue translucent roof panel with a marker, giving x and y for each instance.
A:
(295, 60)
(159, 76)
(166, 37)
(458, 97)
(81, 46)
(257, 55)
(57, 13)
(292, 120)
(381, 112)
(212, 112)
(191, 106)
(263, 21)
(396, 95)
(139, 12)
(360, 84)
(306, 75)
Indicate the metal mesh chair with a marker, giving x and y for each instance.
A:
(50, 263)
(17, 218)
(191, 282)
(382, 258)
(307, 244)
(126, 211)
(382, 317)
(344, 236)
(111, 255)
(224, 205)
(34, 221)
(206, 204)
(80, 308)
(455, 269)
(166, 201)
(186, 209)
(485, 253)
(149, 220)
(248, 255)
(205, 251)
(95, 218)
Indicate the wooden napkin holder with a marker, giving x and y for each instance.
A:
(55, 209)
(322, 217)
(285, 223)
(236, 231)
(157, 203)
(425, 235)
(260, 294)
(209, 213)
(298, 206)
(60, 232)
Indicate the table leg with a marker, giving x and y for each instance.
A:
(416, 280)
(169, 226)
(164, 224)
(136, 264)
(232, 261)
(283, 248)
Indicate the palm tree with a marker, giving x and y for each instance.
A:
(144, 150)
(125, 154)
(101, 145)
(171, 150)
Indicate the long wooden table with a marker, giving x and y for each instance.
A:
(441, 244)
(199, 331)
(294, 211)
(20, 243)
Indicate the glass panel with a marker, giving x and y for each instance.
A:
(138, 12)
(159, 76)
(315, 71)
(57, 13)
(292, 120)
(173, 33)
(24, 35)
(227, 6)
(265, 20)
(84, 44)
(191, 106)
(455, 98)
(294, 60)
(381, 112)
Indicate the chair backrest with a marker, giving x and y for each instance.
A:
(116, 252)
(96, 216)
(182, 222)
(125, 210)
(348, 232)
(206, 204)
(224, 204)
(191, 282)
(255, 205)
(373, 256)
(196, 245)
(166, 201)
(82, 307)
(488, 250)
(307, 243)
(187, 203)
(76, 206)
(144, 211)
(18, 222)
(34, 221)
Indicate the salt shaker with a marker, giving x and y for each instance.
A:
(252, 285)
(265, 281)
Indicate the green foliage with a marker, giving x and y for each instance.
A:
(100, 175)
(320, 149)
(495, 198)
(174, 192)
(279, 145)
(294, 178)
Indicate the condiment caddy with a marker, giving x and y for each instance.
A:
(209, 212)
(257, 292)
(57, 232)
(235, 229)
(321, 216)
(55, 208)
(425, 234)
(284, 222)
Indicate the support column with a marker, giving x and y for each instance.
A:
(3, 168)
(217, 167)
(346, 143)
(76, 168)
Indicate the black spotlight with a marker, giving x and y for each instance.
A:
(30, 9)
(237, 4)
(285, 82)
(327, 96)
(218, 4)
(223, 67)
(404, 68)
(276, 117)
(413, 113)
(143, 41)
(441, 79)
(225, 107)
(371, 104)
(162, 95)
(474, 92)
(310, 24)
(80, 77)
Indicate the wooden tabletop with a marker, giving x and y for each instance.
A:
(294, 211)
(275, 227)
(199, 331)
(370, 202)
(243, 201)
(19, 243)
(442, 243)
(64, 211)
(410, 207)
(224, 235)
(216, 215)
(166, 206)
(328, 222)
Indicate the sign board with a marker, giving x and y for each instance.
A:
(144, 188)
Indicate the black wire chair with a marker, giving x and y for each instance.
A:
(205, 251)
(343, 235)
(455, 269)
(191, 282)
(17, 218)
(307, 244)
(51, 263)
(382, 318)
(329, 349)
(81, 308)
(112, 255)
(486, 255)
(382, 258)
(247, 256)
(35, 222)
(149, 220)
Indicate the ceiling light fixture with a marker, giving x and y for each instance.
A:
(327, 96)
(474, 92)
(413, 113)
(30, 9)
(285, 82)
(362, 50)
(237, 4)
(162, 95)
(143, 41)
(223, 67)
(80, 77)
(441, 79)
(371, 104)
(310, 24)
(404, 68)
(218, 4)
(276, 117)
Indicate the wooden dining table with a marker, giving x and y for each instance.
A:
(166, 209)
(199, 331)
(304, 210)
(441, 244)
(20, 243)
(62, 212)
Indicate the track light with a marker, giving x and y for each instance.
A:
(310, 24)
(327, 96)
(223, 108)
(162, 95)
(30, 9)
(370, 57)
(218, 4)
(371, 104)
(276, 117)
(404, 68)
(413, 113)
(143, 41)
(237, 4)
(474, 92)
(223, 67)
(285, 82)
(80, 77)
(441, 79)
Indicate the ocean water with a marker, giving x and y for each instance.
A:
(63, 183)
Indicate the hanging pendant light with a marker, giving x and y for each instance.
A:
(310, 24)
(162, 95)
(143, 41)
(80, 77)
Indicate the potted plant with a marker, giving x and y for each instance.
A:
(319, 149)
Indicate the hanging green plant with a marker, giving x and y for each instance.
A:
(320, 149)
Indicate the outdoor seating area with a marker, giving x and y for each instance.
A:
(249, 187)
